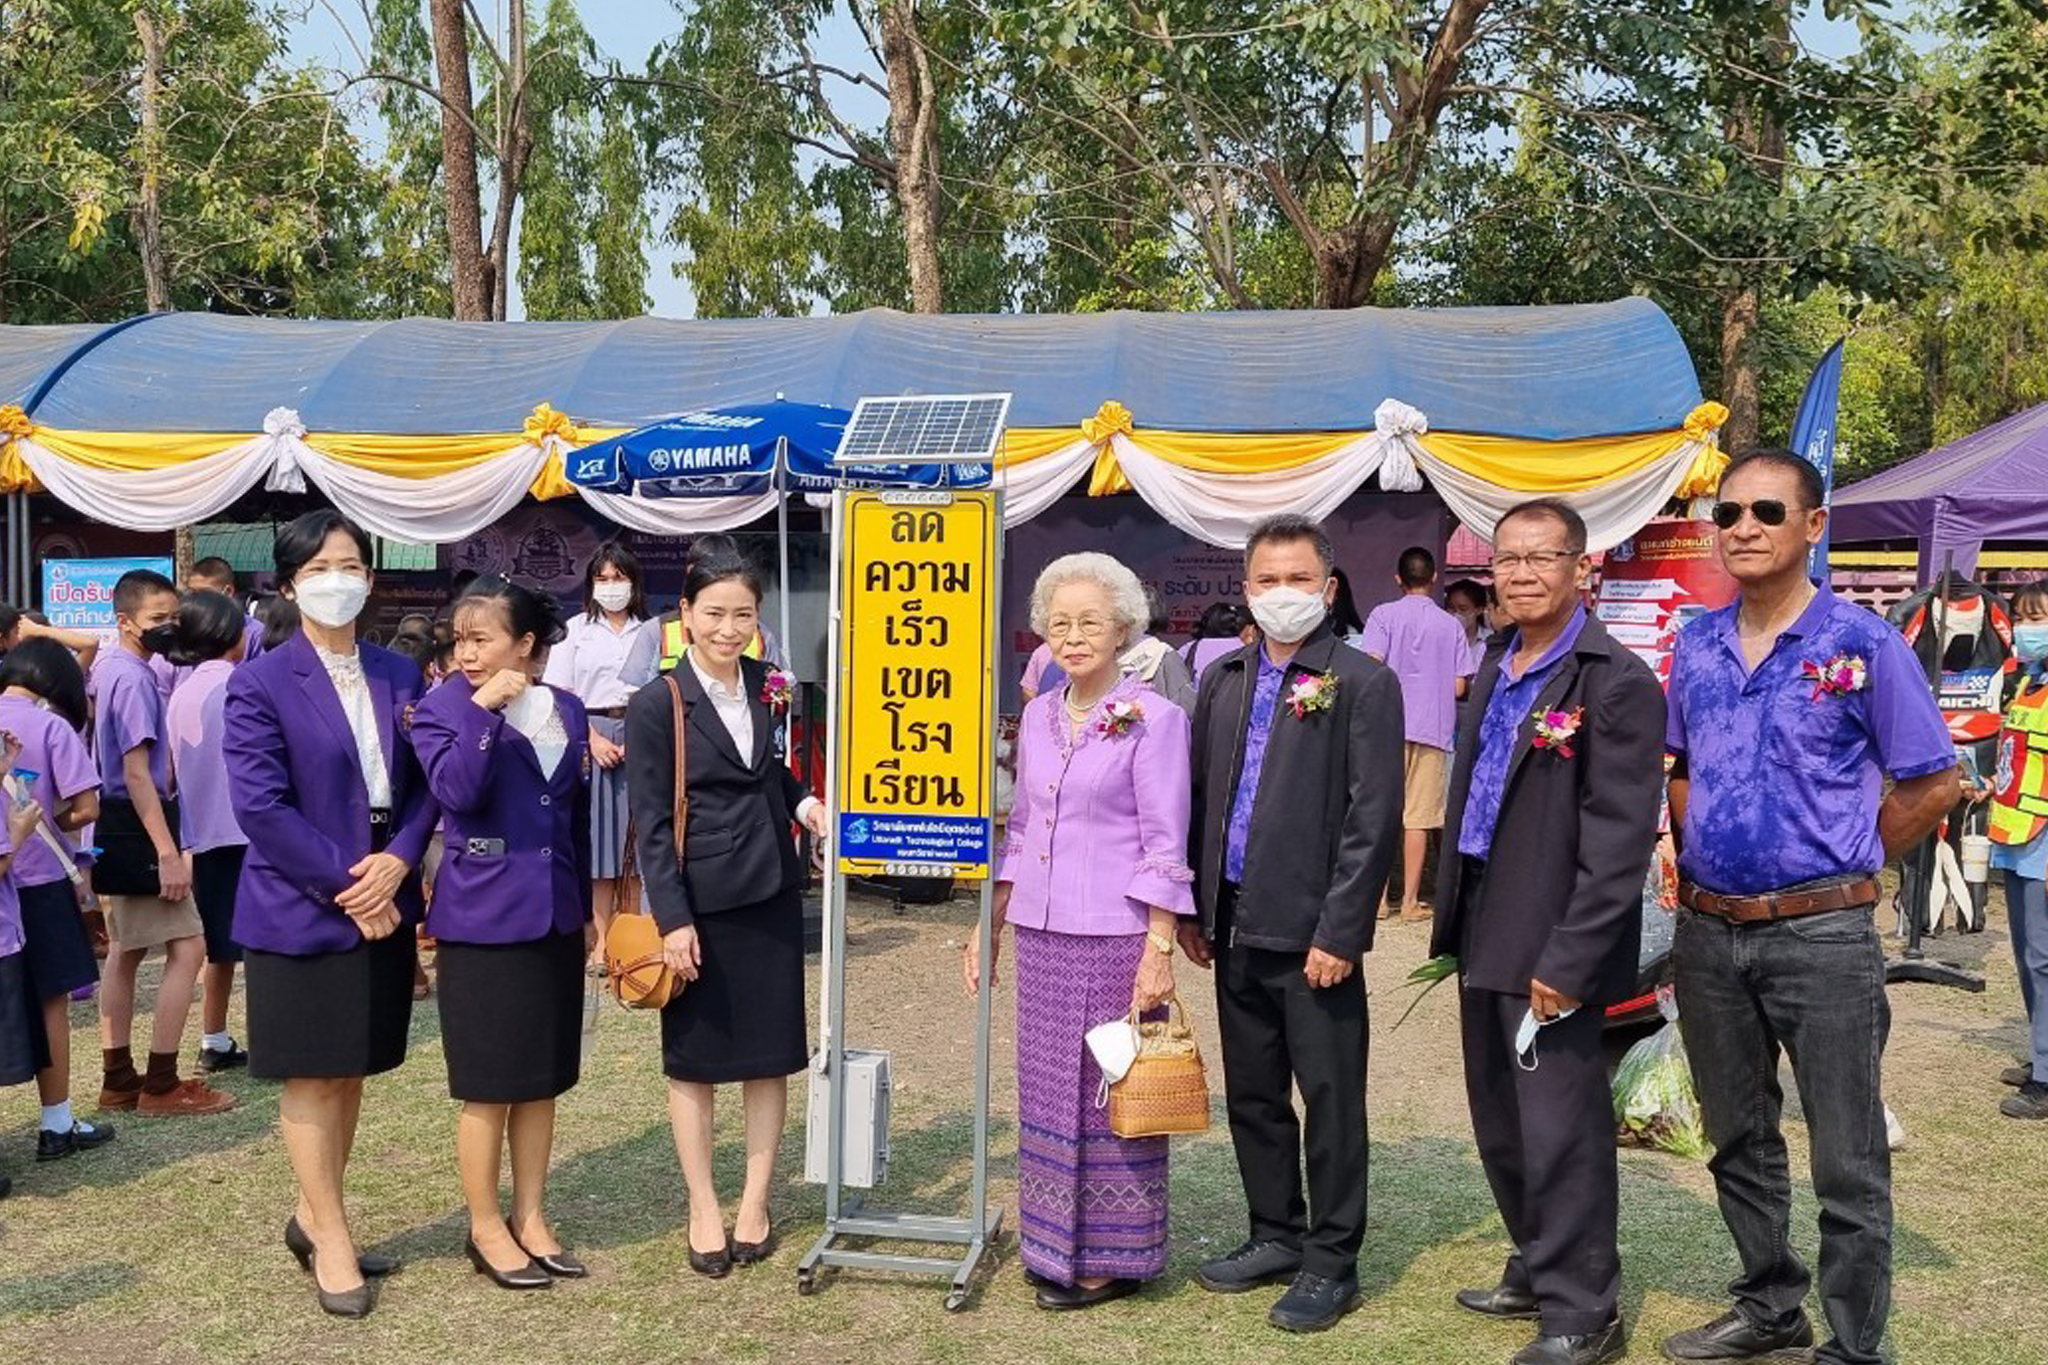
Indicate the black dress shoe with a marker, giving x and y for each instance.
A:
(1251, 1265)
(301, 1247)
(714, 1265)
(2016, 1076)
(1499, 1302)
(1060, 1298)
(560, 1264)
(1732, 1337)
(528, 1276)
(212, 1059)
(2030, 1101)
(751, 1253)
(349, 1303)
(1315, 1303)
(83, 1137)
(1590, 1348)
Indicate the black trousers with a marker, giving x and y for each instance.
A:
(1546, 1139)
(1278, 1032)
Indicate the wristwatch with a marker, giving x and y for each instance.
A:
(1160, 942)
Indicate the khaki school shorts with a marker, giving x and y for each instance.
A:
(1422, 803)
(151, 921)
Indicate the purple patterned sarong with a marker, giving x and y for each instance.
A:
(1089, 1202)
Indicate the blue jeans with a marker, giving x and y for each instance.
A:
(1812, 987)
(2026, 914)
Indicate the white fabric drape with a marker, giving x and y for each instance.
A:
(1031, 487)
(1222, 508)
(152, 499)
(679, 516)
(1614, 511)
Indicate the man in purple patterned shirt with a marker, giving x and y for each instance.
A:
(1787, 712)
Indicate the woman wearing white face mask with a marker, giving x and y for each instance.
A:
(337, 814)
(600, 664)
(2019, 836)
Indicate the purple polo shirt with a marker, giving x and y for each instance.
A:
(53, 751)
(1426, 647)
(130, 712)
(12, 940)
(1500, 729)
(192, 731)
(1265, 701)
(1786, 784)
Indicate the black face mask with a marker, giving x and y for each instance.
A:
(160, 639)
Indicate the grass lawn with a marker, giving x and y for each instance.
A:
(164, 1247)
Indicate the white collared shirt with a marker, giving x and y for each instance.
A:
(359, 704)
(736, 713)
(535, 714)
(591, 661)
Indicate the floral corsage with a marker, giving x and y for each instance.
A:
(777, 691)
(1119, 717)
(1555, 730)
(1315, 692)
(1842, 674)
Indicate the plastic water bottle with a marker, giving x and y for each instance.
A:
(593, 997)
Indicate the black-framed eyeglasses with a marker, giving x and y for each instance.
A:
(1767, 511)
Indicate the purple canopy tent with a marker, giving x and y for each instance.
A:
(1990, 485)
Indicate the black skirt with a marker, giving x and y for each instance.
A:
(511, 1017)
(24, 1047)
(59, 952)
(330, 1015)
(215, 874)
(742, 1019)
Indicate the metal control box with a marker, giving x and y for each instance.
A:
(867, 1122)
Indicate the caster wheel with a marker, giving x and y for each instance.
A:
(956, 1301)
(806, 1283)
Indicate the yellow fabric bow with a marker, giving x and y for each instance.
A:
(1111, 419)
(14, 423)
(546, 422)
(1703, 421)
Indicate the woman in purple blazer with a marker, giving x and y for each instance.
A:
(336, 813)
(507, 758)
(1093, 876)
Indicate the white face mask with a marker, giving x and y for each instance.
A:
(612, 596)
(332, 599)
(1288, 614)
(1525, 1036)
(1114, 1046)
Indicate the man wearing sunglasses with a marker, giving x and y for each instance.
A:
(1787, 712)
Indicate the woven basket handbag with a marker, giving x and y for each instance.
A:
(640, 978)
(1166, 1090)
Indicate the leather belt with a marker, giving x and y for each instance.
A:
(606, 712)
(1776, 905)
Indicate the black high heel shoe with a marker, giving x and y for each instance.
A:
(528, 1276)
(348, 1303)
(752, 1253)
(301, 1247)
(715, 1265)
(561, 1264)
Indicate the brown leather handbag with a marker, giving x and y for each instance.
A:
(640, 978)
(1166, 1090)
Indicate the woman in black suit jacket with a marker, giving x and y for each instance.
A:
(729, 908)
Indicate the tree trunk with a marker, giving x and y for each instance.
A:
(458, 164)
(515, 146)
(149, 158)
(913, 145)
(1741, 311)
(1755, 132)
(184, 552)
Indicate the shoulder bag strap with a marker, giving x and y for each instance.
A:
(682, 807)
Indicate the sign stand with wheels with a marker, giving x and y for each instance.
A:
(911, 770)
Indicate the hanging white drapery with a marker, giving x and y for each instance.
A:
(679, 516)
(1613, 512)
(1032, 486)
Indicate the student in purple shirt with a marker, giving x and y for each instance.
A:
(1093, 878)
(42, 704)
(139, 841)
(1788, 710)
(214, 574)
(1427, 649)
(212, 633)
(22, 1053)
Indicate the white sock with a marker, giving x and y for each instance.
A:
(218, 1042)
(57, 1117)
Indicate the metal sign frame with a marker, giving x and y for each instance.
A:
(850, 1216)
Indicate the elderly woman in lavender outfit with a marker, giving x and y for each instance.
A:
(1093, 875)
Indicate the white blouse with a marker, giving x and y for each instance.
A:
(533, 713)
(732, 707)
(592, 661)
(359, 704)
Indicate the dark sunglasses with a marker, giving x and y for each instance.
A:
(1767, 511)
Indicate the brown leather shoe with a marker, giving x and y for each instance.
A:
(1390, 910)
(112, 1097)
(192, 1096)
(1417, 914)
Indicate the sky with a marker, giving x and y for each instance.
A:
(334, 32)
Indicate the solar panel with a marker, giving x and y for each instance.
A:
(937, 428)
